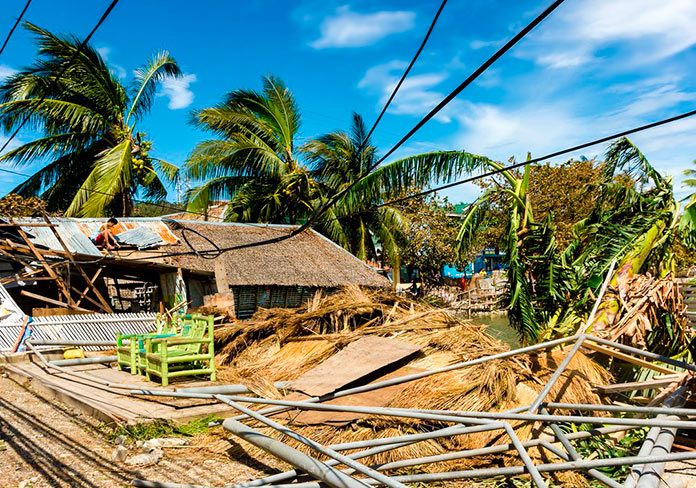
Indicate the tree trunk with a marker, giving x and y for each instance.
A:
(396, 271)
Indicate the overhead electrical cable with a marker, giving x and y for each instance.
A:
(14, 26)
(82, 45)
(561, 152)
(406, 72)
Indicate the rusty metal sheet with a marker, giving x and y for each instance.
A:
(375, 398)
(366, 356)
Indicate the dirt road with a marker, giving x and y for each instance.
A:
(44, 444)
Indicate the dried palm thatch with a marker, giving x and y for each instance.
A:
(650, 314)
(281, 344)
(352, 309)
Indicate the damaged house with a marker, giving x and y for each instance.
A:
(52, 267)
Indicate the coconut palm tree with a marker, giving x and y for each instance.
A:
(93, 159)
(256, 163)
(253, 161)
(337, 160)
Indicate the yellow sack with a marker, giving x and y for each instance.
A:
(74, 354)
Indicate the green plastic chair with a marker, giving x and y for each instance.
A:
(130, 346)
(183, 354)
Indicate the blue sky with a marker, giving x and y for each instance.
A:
(592, 68)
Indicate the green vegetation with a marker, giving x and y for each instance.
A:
(96, 159)
(159, 428)
(632, 218)
(256, 163)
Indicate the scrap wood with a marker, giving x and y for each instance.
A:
(52, 301)
(359, 359)
(375, 398)
(627, 358)
(638, 385)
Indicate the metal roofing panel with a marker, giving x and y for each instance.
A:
(69, 231)
(76, 233)
(140, 237)
(154, 224)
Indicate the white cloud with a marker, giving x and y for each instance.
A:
(116, 69)
(480, 44)
(177, 89)
(642, 30)
(501, 133)
(417, 95)
(6, 71)
(351, 29)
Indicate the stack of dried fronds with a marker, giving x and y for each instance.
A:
(282, 344)
(341, 316)
(649, 313)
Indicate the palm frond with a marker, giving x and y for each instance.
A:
(147, 78)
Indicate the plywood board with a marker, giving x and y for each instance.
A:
(376, 398)
(108, 406)
(359, 359)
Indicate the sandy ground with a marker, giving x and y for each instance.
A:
(44, 444)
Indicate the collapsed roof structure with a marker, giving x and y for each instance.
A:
(52, 267)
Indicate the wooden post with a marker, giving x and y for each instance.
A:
(90, 283)
(221, 282)
(396, 272)
(224, 298)
(59, 281)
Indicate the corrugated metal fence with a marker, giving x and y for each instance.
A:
(88, 327)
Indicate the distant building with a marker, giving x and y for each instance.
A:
(488, 260)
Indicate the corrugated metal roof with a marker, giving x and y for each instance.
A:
(76, 232)
(140, 237)
(88, 327)
(69, 231)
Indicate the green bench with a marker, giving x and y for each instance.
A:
(130, 346)
(183, 354)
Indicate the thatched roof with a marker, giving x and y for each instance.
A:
(308, 259)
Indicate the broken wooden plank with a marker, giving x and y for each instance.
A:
(59, 281)
(103, 303)
(375, 398)
(368, 355)
(627, 358)
(637, 385)
(52, 301)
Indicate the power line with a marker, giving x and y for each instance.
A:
(470, 79)
(405, 74)
(219, 251)
(82, 45)
(14, 27)
(584, 145)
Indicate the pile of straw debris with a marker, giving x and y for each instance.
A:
(282, 344)
(635, 303)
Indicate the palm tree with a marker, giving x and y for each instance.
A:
(337, 160)
(633, 222)
(253, 161)
(94, 160)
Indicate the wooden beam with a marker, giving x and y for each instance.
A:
(86, 290)
(625, 357)
(221, 281)
(27, 225)
(638, 385)
(52, 301)
(90, 300)
(104, 305)
(59, 281)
